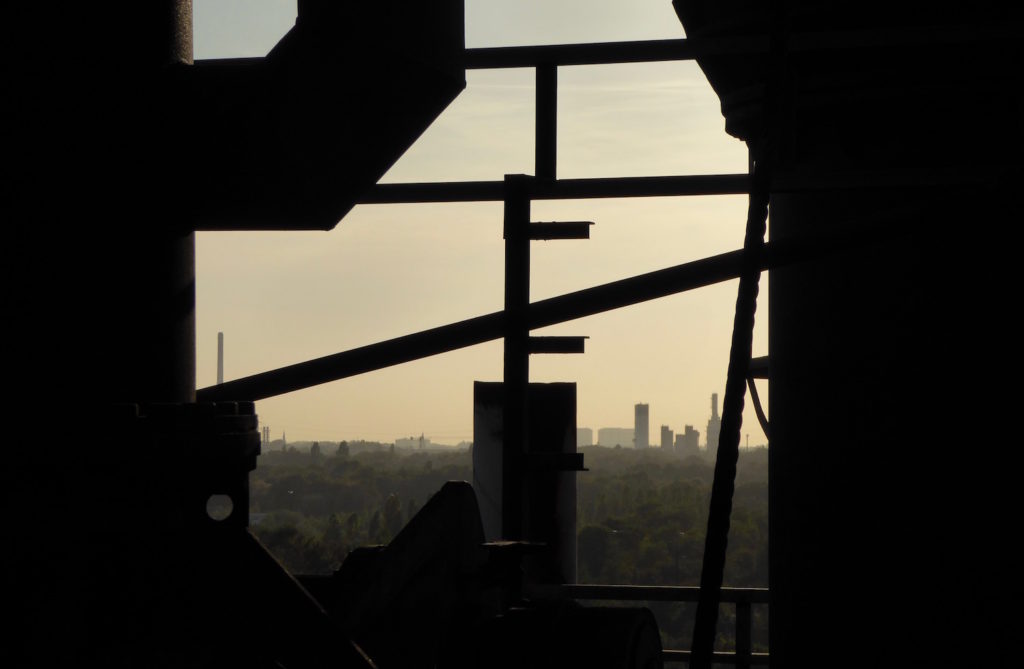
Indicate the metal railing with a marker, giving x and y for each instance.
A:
(742, 598)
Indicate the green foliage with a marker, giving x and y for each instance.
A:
(641, 515)
(392, 517)
(653, 509)
(335, 504)
(642, 518)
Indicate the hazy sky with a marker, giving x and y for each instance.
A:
(390, 270)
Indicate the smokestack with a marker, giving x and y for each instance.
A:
(220, 358)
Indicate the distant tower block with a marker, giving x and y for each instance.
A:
(666, 438)
(691, 441)
(641, 426)
(714, 425)
(220, 358)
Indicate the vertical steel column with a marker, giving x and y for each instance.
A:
(517, 352)
(546, 125)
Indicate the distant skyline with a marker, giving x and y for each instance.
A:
(386, 271)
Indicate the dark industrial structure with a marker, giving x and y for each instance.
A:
(885, 142)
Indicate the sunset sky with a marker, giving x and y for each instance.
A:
(390, 270)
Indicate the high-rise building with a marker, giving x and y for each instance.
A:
(584, 437)
(714, 425)
(666, 438)
(688, 443)
(641, 426)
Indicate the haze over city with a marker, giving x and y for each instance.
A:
(391, 270)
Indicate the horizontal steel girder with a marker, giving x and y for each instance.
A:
(560, 309)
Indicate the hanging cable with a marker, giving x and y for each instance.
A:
(758, 409)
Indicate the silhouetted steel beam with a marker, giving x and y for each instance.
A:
(545, 144)
(557, 344)
(596, 300)
(595, 53)
(516, 369)
(544, 231)
(582, 189)
(696, 184)
(478, 330)
(759, 367)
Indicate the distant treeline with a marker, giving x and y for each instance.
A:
(353, 447)
(641, 514)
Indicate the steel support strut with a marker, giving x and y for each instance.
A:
(517, 352)
(560, 309)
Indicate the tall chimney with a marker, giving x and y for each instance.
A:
(220, 358)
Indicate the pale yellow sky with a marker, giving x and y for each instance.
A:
(390, 270)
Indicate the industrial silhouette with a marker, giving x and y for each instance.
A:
(886, 143)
